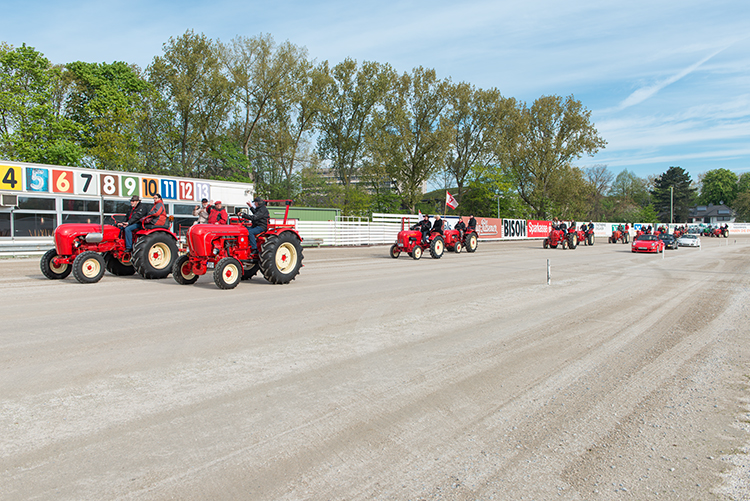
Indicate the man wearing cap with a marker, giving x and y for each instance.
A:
(218, 215)
(201, 211)
(137, 212)
(259, 220)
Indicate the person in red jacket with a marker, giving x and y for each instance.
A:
(157, 216)
(218, 215)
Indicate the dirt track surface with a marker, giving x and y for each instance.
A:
(466, 377)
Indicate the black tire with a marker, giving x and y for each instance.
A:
(228, 273)
(471, 242)
(51, 271)
(416, 253)
(248, 274)
(437, 248)
(182, 272)
(545, 244)
(116, 267)
(154, 255)
(88, 267)
(590, 239)
(281, 258)
(458, 247)
(572, 241)
(395, 251)
(564, 243)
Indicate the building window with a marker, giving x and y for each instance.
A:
(81, 218)
(34, 203)
(73, 205)
(34, 225)
(116, 207)
(183, 209)
(4, 224)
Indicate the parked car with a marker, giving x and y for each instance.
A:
(647, 243)
(670, 242)
(689, 240)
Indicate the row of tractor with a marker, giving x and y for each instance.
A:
(87, 250)
(414, 242)
(569, 237)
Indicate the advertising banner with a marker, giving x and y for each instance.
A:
(489, 228)
(538, 229)
(514, 229)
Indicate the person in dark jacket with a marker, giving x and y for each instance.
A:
(259, 219)
(437, 226)
(137, 212)
(423, 226)
(461, 227)
(472, 223)
(157, 216)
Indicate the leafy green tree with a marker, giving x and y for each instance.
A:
(599, 179)
(197, 94)
(547, 137)
(684, 194)
(32, 128)
(478, 119)
(719, 186)
(351, 95)
(107, 100)
(743, 184)
(409, 137)
(742, 206)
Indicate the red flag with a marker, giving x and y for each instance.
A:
(450, 201)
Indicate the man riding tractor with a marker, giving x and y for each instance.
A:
(417, 239)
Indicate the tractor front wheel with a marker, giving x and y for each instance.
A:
(573, 241)
(471, 242)
(228, 273)
(182, 271)
(88, 267)
(416, 253)
(458, 247)
(590, 239)
(437, 248)
(154, 255)
(395, 251)
(51, 271)
(564, 243)
(117, 267)
(545, 244)
(281, 258)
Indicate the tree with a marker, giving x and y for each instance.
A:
(107, 100)
(478, 119)
(683, 196)
(742, 206)
(600, 180)
(409, 136)
(719, 186)
(32, 128)
(190, 80)
(547, 137)
(744, 183)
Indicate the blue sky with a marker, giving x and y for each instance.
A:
(667, 82)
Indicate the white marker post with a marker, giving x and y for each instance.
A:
(549, 277)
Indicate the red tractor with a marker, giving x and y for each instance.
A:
(88, 249)
(454, 241)
(586, 236)
(567, 238)
(720, 232)
(411, 242)
(619, 236)
(225, 250)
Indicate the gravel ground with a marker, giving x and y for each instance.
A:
(463, 378)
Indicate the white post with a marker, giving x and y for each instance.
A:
(549, 278)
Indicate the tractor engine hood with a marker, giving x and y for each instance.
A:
(201, 236)
(66, 234)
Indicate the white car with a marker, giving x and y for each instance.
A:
(689, 241)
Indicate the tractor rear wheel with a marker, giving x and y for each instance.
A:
(281, 258)
(228, 273)
(437, 248)
(471, 242)
(248, 274)
(572, 241)
(416, 253)
(590, 239)
(88, 267)
(117, 267)
(50, 270)
(395, 251)
(182, 271)
(458, 247)
(154, 255)
(545, 244)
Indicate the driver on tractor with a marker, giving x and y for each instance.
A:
(133, 223)
(259, 219)
(461, 227)
(437, 225)
(423, 226)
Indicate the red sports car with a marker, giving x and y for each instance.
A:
(647, 243)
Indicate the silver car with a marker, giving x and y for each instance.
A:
(689, 241)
